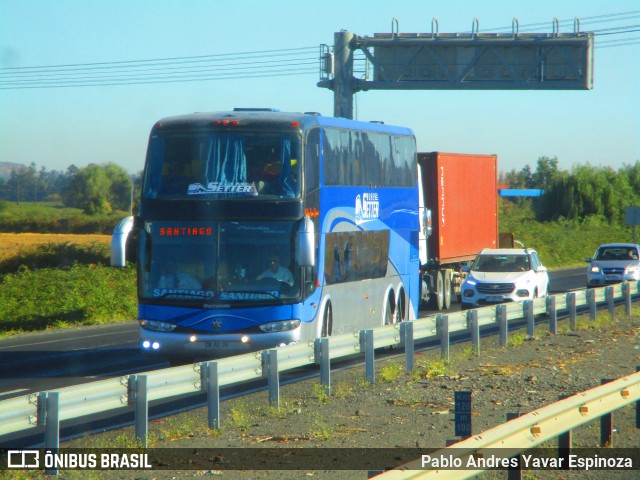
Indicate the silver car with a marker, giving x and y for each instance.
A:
(614, 263)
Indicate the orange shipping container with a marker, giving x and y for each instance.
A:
(462, 193)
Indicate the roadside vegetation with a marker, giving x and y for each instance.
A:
(54, 217)
(55, 285)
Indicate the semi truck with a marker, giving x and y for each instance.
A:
(460, 218)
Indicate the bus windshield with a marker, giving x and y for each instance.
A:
(232, 262)
(190, 164)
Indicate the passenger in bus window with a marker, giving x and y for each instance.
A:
(277, 271)
(172, 277)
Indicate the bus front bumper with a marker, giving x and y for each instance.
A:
(170, 344)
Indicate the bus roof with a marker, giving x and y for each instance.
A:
(260, 117)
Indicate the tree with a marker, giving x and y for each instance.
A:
(546, 171)
(589, 191)
(98, 189)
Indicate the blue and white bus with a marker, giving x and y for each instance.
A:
(259, 228)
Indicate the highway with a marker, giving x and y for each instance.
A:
(51, 360)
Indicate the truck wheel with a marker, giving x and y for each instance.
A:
(437, 300)
(447, 289)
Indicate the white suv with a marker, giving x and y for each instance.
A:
(504, 275)
(614, 263)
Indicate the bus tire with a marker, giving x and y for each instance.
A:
(401, 307)
(390, 310)
(327, 320)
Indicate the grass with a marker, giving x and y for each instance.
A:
(53, 298)
(56, 285)
(322, 430)
(22, 244)
(343, 390)
(517, 339)
(432, 368)
(49, 217)
(391, 372)
(241, 417)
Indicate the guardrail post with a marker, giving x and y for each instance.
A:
(501, 318)
(406, 337)
(51, 418)
(626, 293)
(571, 304)
(608, 293)
(527, 308)
(591, 302)
(321, 353)
(606, 425)
(552, 314)
(564, 444)
(138, 397)
(514, 472)
(442, 326)
(638, 407)
(210, 379)
(273, 377)
(366, 341)
(474, 324)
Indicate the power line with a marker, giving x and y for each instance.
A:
(205, 67)
(260, 53)
(160, 80)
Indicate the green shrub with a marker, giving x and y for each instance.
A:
(56, 255)
(47, 217)
(80, 295)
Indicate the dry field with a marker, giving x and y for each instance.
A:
(12, 243)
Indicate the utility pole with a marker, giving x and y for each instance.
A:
(343, 81)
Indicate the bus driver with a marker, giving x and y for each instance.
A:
(275, 270)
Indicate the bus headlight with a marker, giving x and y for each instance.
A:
(156, 326)
(283, 326)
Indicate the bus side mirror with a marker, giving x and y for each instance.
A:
(305, 243)
(119, 242)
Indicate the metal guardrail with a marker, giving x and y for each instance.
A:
(527, 431)
(46, 408)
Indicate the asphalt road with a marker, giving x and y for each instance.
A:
(52, 360)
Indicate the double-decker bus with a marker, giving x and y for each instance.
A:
(259, 228)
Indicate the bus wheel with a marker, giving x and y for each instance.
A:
(327, 320)
(390, 310)
(437, 300)
(401, 308)
(447, 289)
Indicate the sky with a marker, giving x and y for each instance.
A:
(265, 54)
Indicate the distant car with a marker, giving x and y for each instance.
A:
(504, 275)
(614, 263)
